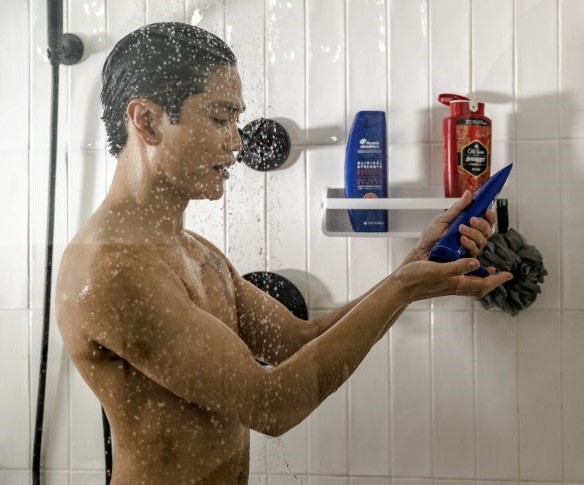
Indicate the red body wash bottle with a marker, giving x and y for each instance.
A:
(466, 147)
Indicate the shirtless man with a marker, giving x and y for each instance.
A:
(156, 319)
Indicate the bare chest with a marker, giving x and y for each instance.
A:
(208, 282)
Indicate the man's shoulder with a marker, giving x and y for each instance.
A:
(103, 266)
(205, 242)
(93, 257)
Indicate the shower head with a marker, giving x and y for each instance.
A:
(266, 145)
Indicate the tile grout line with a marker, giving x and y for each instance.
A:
(307, 205)
(29, 227)
(348, 401)
(559, 11)
(265, 174)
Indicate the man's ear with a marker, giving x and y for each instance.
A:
(145, 117)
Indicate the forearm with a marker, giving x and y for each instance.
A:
(323, 323)
(292, 390)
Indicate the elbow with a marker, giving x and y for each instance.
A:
(273, 431)
(282, 404)
(276, 426)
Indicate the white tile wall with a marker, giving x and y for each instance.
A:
(14, 126)
(572, 230)
(246, 198)
(286, 67)
(289, 453)
(328, 436)
(453, 397)
(454, 394)
(86, 186)
(411, 396)
(450, 55)
(325, 67)
(496, 396)
(570, 72)
(14, 242)
(56, 415)
(327, 257)
(366, 90)
(15, 451)
(572, 395)
(536, 68)
(15, 477)
(286, 221)
(88, 21)
(369, 451)
(492, 62)
(37, 219)
(408, 71)
(540, 396)
(539, 217)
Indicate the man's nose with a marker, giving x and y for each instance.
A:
(234, 142)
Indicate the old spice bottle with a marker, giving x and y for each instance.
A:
(466, 145)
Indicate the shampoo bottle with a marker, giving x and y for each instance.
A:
(366, 169)
(466, 142)
(448, 247)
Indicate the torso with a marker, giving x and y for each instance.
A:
(160, 438)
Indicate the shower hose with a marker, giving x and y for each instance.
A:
(63, 49)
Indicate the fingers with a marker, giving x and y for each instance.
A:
(491, 269)
(493, 280)
(473, 285)
(474, 237)
(484, 224)
(426, 279)
(460, 266)
(491, 217)
(455, 209)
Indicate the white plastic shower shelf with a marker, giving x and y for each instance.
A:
(410, 209)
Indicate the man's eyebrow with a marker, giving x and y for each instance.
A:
(228, 105)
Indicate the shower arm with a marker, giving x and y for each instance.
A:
(62, 49)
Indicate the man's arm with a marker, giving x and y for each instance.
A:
(274, 334)
(473, 238)
(138, 308)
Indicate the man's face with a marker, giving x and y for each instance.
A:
(196, 153)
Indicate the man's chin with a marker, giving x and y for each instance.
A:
(208, 194)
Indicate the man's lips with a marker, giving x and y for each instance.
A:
(222, 169)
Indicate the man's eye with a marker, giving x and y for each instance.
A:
(221, 122)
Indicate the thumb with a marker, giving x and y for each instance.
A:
(461, 266)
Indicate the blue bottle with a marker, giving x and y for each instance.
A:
(366, 169)
(448, 247)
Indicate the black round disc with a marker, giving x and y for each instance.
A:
(266, 145)
(281, 289)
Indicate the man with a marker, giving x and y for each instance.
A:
(157, 320)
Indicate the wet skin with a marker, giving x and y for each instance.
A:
(168, 335)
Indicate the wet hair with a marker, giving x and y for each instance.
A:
(164, 62)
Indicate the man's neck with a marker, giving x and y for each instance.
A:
(146, 202)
